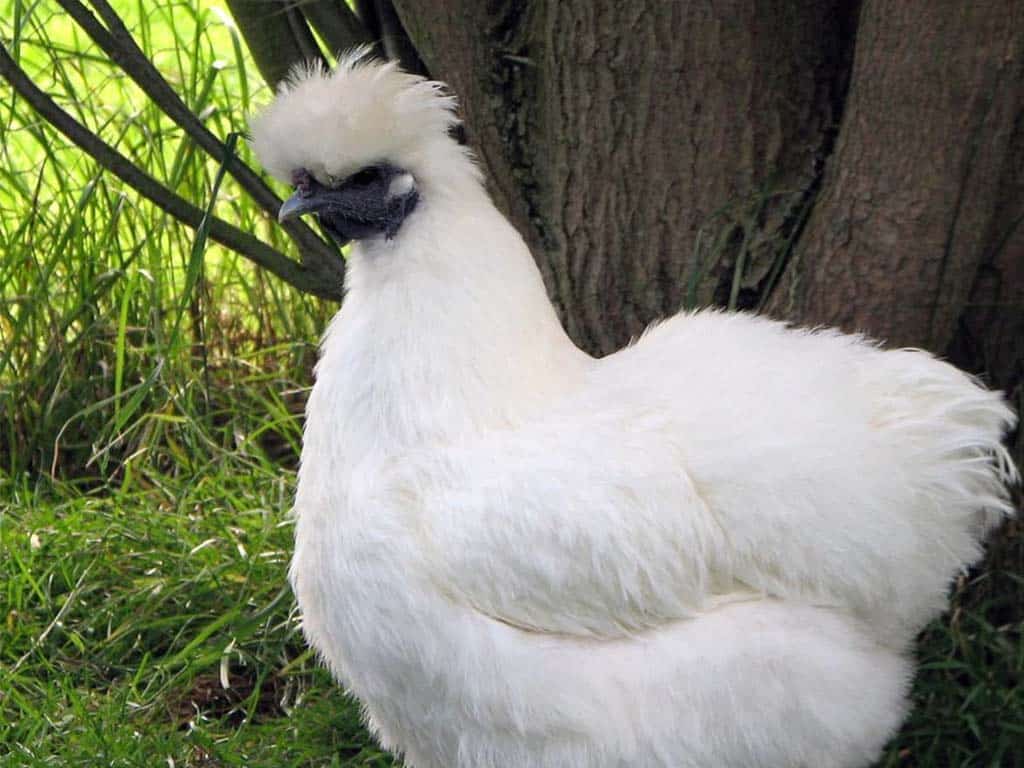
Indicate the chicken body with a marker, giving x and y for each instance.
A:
(709, 550)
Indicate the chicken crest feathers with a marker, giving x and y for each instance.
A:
(365, 111)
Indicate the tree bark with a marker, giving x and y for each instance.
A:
(914, 201)
(916, 237)
(618, 134)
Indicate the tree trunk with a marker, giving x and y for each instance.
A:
(919, 193)
(842, 163)
(618, 135)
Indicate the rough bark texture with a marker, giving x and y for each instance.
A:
(990, 332)
(615, 131)
(712, 106)
(914, 200)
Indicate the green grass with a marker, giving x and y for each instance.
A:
(148, 429)
(104, 351)
(125, 613)
(147, 432)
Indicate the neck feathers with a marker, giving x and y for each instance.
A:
(445, 329)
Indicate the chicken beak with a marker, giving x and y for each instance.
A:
(296, 205)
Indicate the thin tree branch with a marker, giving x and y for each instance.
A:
(118, 43)
(270, 34)
(335, 22)
(317, 282)
(366, 10)
(395, 40)
(302, 34)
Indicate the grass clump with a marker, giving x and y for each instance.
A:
(156, 627)
(110, 332)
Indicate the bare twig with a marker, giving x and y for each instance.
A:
(117, 42)
(335, 22)
(395, 40)
(274, 35)
(302, 35)
(367, 12)
(302, 277)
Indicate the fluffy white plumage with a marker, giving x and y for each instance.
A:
(712, 549)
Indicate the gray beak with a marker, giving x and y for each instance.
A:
(296, 205)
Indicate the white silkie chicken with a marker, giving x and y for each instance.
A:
(712, 549)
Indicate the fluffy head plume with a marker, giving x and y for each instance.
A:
(334, 123)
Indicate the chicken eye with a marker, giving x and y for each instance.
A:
(364, 177)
